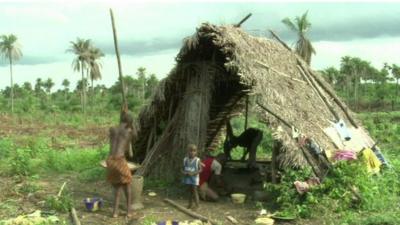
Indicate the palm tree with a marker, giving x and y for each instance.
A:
(303, 46)
(48, 85)
(94, 65)
(141, 73)
(11, 51)
(81, 49)
(65, 84)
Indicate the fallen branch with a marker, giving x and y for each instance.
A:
(189, 212)
(74, 217)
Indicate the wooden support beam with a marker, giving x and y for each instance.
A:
(315, 86)
(247, 112)
(334, 97)
(274, 164)
(280, 40)
(243, 20)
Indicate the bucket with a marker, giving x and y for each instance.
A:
(238, 198)
(137, 189)
(93, 204)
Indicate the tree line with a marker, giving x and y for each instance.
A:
(41, 96)
(361, 85)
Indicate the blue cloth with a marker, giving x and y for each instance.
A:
(191, 165)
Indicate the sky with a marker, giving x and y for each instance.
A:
(150, 33)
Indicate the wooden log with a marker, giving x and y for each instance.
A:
(280, 40)
(243, 20)
(74, 217)
(190, 213)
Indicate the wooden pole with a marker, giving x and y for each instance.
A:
(247, 112)
(280, 40)
(335, 99)
(275, 115)
(190, 213)
(125, 104)
(243, 20)
(274, 166)
(330, 107)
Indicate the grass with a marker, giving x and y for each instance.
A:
(30, 157)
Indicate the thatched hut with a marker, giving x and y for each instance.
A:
(216, 68)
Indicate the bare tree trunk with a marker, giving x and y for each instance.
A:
(12, 86)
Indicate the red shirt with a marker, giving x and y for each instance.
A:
(206, 172)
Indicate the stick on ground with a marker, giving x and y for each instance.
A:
(74, 217)
(189, 212)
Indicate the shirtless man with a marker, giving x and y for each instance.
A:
(118, 172)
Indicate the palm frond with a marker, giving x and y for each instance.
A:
(290, 24)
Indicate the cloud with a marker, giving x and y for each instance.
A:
(345, 30)
(32, 60)
(142, 47)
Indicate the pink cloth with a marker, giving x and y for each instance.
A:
(345, 155)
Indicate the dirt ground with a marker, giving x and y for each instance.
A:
(155, 207)
(13, 202)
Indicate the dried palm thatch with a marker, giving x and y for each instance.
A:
(216, 68)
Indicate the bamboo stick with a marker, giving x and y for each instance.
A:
(190, 213)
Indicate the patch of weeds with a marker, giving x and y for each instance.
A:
(21, 162)
(93, 174)
(8, 208)
(149, 220)
(61, 204)
(6, 146)
(28, 187)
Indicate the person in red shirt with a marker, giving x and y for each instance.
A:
(212, 166)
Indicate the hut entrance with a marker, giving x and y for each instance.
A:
(237, 175)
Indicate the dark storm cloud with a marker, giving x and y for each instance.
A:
(31, 60)
(142, 47)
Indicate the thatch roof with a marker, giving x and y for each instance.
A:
(235, 64)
